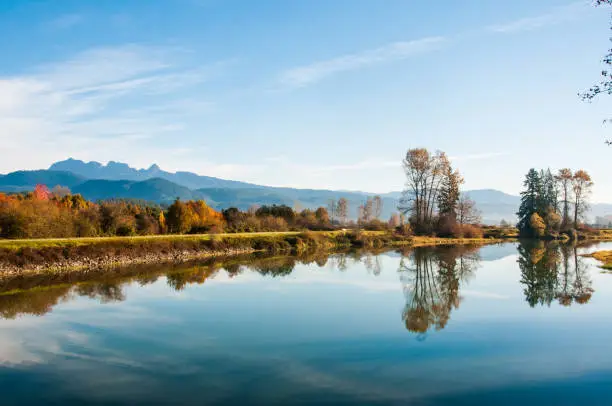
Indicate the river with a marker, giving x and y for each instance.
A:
(503, 324)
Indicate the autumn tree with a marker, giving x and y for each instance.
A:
(581, 186)
(162, 222)
(179, 218)
(322, 216)
(283, 211)
(41, 192)
(342, 210)
(417, 166)
(537, 225)
(424, 175)
(564, 180)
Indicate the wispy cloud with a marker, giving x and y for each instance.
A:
(88, 101)
(308, 74)
(66, 21)
(557, 15)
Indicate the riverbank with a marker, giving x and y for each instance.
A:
(603, 256)
(89, 254)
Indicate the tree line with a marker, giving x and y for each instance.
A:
(45, 213)
(552, 205)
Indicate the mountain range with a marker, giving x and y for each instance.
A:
(115, 180)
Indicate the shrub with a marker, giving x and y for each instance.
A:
(404, 230)
(471, 231)
(125, 231)
(537, 225)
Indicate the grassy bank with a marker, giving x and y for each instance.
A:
(71, 254)
(605, 257)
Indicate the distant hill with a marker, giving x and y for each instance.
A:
(121, 171)
(153, 190)
(27, 180)
(495, 205)
(118, 180)
(305, 198)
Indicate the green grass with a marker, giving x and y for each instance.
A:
(74, 254)
(75, 242)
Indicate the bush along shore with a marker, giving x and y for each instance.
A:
(88, 254)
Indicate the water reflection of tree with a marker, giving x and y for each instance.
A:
(34, 303)
(432, 278)
(553, 271)
(36, 295)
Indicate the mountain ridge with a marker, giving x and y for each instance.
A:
(156, 185)
(121, 171)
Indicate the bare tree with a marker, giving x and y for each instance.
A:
(366, 211)
(564, 179)
(417, 165)
(378, 206)
(424, 176)
(581, 186)
(342, 210)
(395, 220)
(331, 208)
(252, 209)
(467, 212)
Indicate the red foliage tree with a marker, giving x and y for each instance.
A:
(41, 192)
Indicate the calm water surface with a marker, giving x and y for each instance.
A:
(503, 325)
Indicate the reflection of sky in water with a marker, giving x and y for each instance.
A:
(318, 335)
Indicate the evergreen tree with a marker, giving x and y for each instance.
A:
(531, 201)
(550, 194)
(449, 194)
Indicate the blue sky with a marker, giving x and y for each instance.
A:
(318, 94)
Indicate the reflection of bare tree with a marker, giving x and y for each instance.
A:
(583, 285)
(339, 261)
(432, 278)
(552, 271)
(372, 264)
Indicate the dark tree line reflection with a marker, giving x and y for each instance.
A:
(37, 295)
(432, 278)
(553, 271)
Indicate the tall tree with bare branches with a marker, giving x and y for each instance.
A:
(342, 210)
(564, 180)
(424, 175)
(581, 186)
